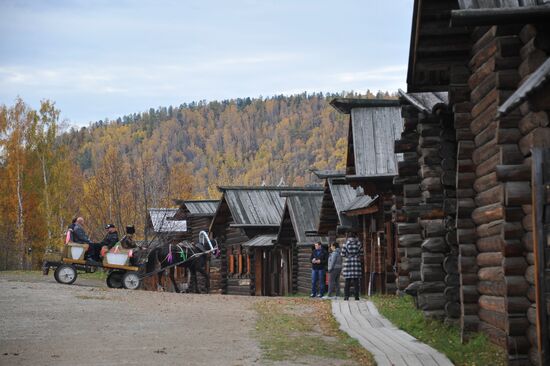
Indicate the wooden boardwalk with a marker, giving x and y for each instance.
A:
(389, 345)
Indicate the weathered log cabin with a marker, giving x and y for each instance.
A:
(198, 214)
(337, 195)
(164, 227)
(376, 278)
(300, 217)
(425, 205)
(333, 223)
(245, 225)
(484, 54)
(371, 164)
(534, 95)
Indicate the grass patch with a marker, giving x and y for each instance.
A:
(292, 329)
(21, 272)
(478, 351)
(98, 275)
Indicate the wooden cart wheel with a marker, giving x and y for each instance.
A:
(65, 274)
(130, 280)
(114, 279)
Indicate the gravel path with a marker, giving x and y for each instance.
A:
(45, 323)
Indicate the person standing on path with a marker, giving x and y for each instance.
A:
(334, 270)
(318, 262)
(352, 264)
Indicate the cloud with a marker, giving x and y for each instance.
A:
(132, 79)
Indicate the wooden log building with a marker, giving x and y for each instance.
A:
(337, 195)
(300, 217)
(425, 205)
(164, 227)
(489, 56)
(371, 166)
(245, 225)
(333, 223)
(198, 214)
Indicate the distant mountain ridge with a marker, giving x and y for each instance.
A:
(245, 141)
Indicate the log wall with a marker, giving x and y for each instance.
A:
(532, 130)
(303, 253)
(425, 213)
(235, 284)
(407, 202)
(501, 197)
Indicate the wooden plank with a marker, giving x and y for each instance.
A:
(540, 169)
(74, 261)
(346, 325)
(389, 345)
(355, 322)
(427, 360)
(412, 360)
(116, 266)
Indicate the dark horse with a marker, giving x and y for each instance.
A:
(190, 255)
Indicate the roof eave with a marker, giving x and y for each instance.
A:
(247, 226)
(498, 16)
(345, 105)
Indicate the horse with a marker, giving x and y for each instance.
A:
(188, 255)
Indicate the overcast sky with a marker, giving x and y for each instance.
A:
(104, 59)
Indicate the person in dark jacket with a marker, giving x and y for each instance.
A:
(80, 236)
(334, 270)
(318, 262)
(352, 264)
(70, 230)
(111, 238)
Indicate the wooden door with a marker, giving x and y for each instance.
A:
(266, 283)
(541, 244)
(284, 271)
(275, 264)
(258, 272)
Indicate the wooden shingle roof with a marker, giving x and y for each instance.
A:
(533, 83)
(337, 196)
(425, 102)
(372, 135)
(360, 202)
(304, 209)
(200, 207)
(498, 12)
(257, 206)
(261, 241)
(162, 221)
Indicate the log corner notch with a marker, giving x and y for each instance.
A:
(495, 240)
(428, 264)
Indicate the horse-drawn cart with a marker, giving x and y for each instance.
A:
(71, 261)
(122, 274)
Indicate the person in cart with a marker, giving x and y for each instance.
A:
(79, 236)
(111, 238)
(127, 243)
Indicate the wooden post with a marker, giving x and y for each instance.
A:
(541, 192)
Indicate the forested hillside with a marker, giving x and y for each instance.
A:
(112, 171)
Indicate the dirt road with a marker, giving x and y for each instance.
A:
(44, 323)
